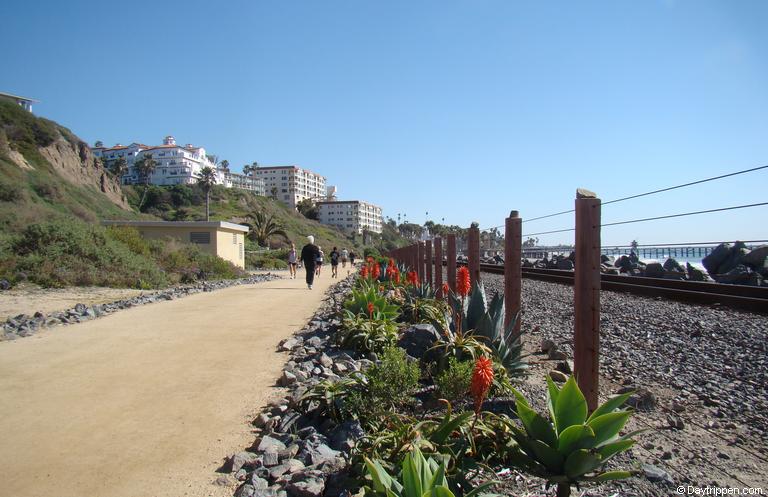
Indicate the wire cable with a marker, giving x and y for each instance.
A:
(685, 184)
(683, 214)
(653, 192)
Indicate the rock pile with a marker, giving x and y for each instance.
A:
(303, 454)
(735, 264)
(24, 325)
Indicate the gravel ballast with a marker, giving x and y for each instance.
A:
(700, 373)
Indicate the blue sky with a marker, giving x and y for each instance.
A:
(463, 109)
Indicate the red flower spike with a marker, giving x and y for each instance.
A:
(482, 379)
(364, 272)
(376, 272)
(370, 310)
(446, 290)
(463, 284)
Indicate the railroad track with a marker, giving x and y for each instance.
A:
(754, 299)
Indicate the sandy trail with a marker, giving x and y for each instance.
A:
(30, 299)
(147, 401)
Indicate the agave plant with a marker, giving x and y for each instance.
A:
(419, 477)
(484, 321)
(572, 447)
(360, 298)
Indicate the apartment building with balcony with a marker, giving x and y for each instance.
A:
(291, 184)
(175, 165)
(352, 216)
(243, 182)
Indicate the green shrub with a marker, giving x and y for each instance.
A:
(453, 383)
(130, 237)
(9, 192)
(392, 381)
(71, 253)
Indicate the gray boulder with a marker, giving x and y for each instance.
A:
(344, 436)
(306, 484)
(654, 270)
(740, 275)
(696, 274)
(417, 339)
(716, 257)
(735, 258)
(757, 258)
(672, 265)
(565, 264)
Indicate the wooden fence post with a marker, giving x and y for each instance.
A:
(420, 260)
(429, 263)
(473, 254)
(414, 256)
(513, 272)
(586, 303)
(439, 267)
(452, 261)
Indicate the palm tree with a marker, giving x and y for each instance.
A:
(264, 227)
(224, 165)
(206, 181)
(145, 167)
(119, 167)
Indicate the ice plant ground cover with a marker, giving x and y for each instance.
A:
(418, 443)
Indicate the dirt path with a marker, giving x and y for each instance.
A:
(147, 401)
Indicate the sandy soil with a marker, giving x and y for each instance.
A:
(147, 401)
(30, 299)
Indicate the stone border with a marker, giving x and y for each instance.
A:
(24, 325)
(301, 455)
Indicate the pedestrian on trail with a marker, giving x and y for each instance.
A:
(292, 261)
(344, 257)
(309, 254)
(335, 263)
(319, 261)
(352, 259)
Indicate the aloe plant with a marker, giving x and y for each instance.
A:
(360, 298)
(419, 477)
(573, 446)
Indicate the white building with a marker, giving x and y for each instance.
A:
(291, 184)
(351, 215)
(24, 102)
(175, 165)
(243, 182)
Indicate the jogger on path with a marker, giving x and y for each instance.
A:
(309, 255)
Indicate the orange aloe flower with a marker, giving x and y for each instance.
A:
(463, 284)
(376, 271)
(446, 290)
(482, 379)
(370, 314)
(364, 272)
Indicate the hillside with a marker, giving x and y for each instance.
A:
(54, 193)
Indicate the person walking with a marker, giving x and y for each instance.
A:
(309, 254)
(344, 257)
(334, 262)
(352, 259)
(319, 261)
(292, 261)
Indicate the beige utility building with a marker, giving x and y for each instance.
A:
(227, 240)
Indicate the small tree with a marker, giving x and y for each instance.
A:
(308, 209)
(264, 227)
(273, 191)
(119, 167)
(98, 144)
(145, 167)
(530, 242)
(206, 181)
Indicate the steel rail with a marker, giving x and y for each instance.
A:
(754, 299)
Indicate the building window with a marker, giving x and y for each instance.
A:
(200, 237)
(234, 238)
